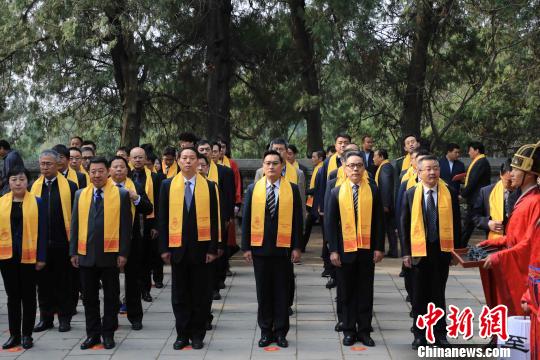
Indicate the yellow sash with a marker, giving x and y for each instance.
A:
(129, 184)
(356, 236)
(149, 190)
(290, 173)
(411, 181)
(309, 201)
(219, 214)
(65, 197)
(72, 175)
(213, 174)
(296, 165)
(225, 161)
(341, 176)
(111, 217)
(30, 228)
(446, 224)
(496, 206)
(173, 170)
(379, 170)
(406, 162)
(285, 213)
(481, 156)
(332, 164)
(410, 171)
(201, 197)
(83, 171)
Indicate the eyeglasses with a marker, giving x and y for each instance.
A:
(355, 166)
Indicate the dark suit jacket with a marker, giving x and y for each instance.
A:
(406, 220)
(268, 247)
(370, 165)
(333, 224)
(227, 191)
(143, 208)
(156, 181)
(447, 175)
(479, 177)
(320, 184)
(386, 186)
(95, 256)
(194, 250)
(481, 212)
(398, 174)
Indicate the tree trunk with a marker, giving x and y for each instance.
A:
(219, 67)
(310, 80)
(416, 75)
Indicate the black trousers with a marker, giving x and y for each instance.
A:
(325, 254)
(468, 225)
(356, 282)
(90, 277)
(429, 284)
(152, 264)
(220, 271)
(20, 284)
(75, 287)
(191, 284)
(132, 275)
(310, 221)
(272, 279)
(390, 227)
(54, 286)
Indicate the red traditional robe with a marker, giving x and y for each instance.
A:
(510, 265)
(532, 295)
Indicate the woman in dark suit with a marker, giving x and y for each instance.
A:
(23, 244)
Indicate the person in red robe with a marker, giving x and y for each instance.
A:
(510, 264)
(531, 299)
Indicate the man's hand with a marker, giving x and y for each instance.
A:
(236, 210)
(210, 258)
(525, 307)
(133, 195)
(75, 261)
(488, 264)
(407, 261)
(248, 257)
(334, 258)
(166, 257)
(454, 261)
(378, 256)
(496, 226)
(296, 255)
(154, 234)
(386, 209)
(121, 261)
(40, 265)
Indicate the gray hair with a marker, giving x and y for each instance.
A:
(426, 158)
(50, 152)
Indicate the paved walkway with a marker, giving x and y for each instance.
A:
(235, 333)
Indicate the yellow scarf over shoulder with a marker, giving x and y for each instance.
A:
(356, 234)
(285, 213)
(72, 175)
(379, 170)
(213, 174)
(296, 164)
(111, 217)
(496, 206)
(481, 156)
(201, 196)
(225, 161)
(129, 184)
(406, 162)
(149, 190)
(65, 197)
(290, 173)
(445, 214)
(309, 201)
(332, 164)
(173, 170)
(30, 228)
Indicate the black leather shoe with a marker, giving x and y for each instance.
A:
(221, 285)
(339, 327)
(180, 343)
(196, 344)
(411, 314)
(418, 342)
(27, 342)
(64, 326)
(147, 297)
(90, 342)
(348, 340)
(265, 341)
(282, 342)
(12, 342)
(43, 325)
(402, 274)
(108, 342)
(216, 295)
(159, 284)
(325, 273)
(208, 325)
(366, 340)
(136, 325)
(331, 283)
(229, 273)
(408, 298)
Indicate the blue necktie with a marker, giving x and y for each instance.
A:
(431, 217)
(98, 199)
(188, 194)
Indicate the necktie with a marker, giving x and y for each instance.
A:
(271, 200)
(355, 198)
(119, 185)
(98, 199)
(188, 194)
(431, 212)
(48, 183)
(136, 176)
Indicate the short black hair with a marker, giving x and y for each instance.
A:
(151, 156)
(451, 146)
(148, 148)
(293, 148)
(188, 137)
(416, 137)
(477, 145)
(272, 152)
(17, 170)
(366, 136)
(331, 149)
(4, 145)
(88, 148)
(278, 141)
(122, 148)
(169, 151)
(89, 142)
(116, 157)
(321, 154)
(203, 142)
(422, 152)
(99, 160)
(201, 156)
(188, 148)
(506, 167)
(77, 137)
(61, 149)
(343, 135)
(352, 153)
(382, 153)
(216, 143)
(75, 149)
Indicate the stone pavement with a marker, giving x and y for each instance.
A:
(235, 333)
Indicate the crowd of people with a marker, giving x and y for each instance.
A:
(70, 232)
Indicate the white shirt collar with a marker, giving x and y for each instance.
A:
(123, 183)
(352, 184)
(192, 180)
(426, 189)
(276, 184)
(51, 180)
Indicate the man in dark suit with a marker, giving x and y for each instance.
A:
(292, 153)
(384, 178)
(355, 261)
(411, 142)
(478, 176)
(150, 255)
(141, 206)
(63, 166)
(428, 251)
(97, 259)
(272, 257)
(367, 155)
(189, 253)
(11, 159)
(451, 166)
(54, 290)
